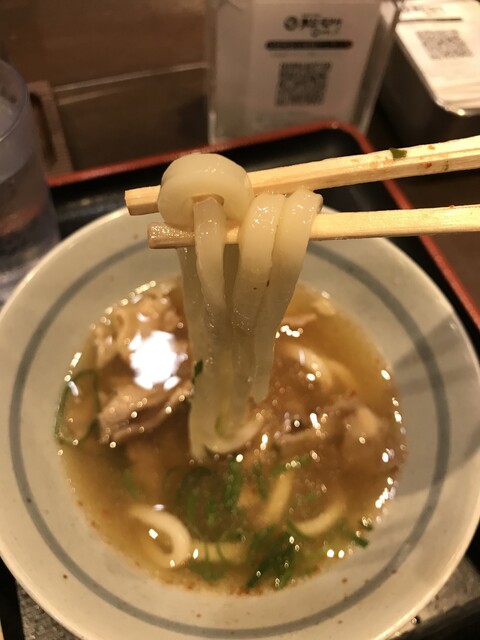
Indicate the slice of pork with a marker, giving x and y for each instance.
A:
(113, 334)
(134, 410)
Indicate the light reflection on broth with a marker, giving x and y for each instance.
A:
(305, 492)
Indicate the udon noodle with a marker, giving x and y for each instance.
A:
(257, 446)
(234, 300)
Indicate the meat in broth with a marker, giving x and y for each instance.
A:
(305, 491)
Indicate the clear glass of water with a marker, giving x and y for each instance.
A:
(28, 223)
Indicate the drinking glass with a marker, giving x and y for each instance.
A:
(28, 223)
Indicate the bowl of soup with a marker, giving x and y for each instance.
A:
(341, 515)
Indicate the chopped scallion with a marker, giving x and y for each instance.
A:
(360, 541)
(233, 485)
(260, 480)
(277, 563)
(130, 484)
(197, 369)
(397, 154)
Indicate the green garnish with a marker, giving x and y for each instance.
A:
(397, 154)
(360, 541)
(212, 513)
(207, 501)
(79, 406)
(197, 369)
(277, 562)
(130, 484)
(260, 537)
(300, 500)
(233, 485)
(209, 571)
(190, 481)
(236, 534)
(260, 480)
(367, 524)
(191, 508)
(206, 570)
(354, 536)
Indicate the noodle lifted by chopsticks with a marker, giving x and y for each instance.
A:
(235, 296)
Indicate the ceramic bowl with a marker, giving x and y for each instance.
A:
(96, 593)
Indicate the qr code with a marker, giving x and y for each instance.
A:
(443, 45)
(302, 83)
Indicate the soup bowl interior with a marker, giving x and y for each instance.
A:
(59, 558)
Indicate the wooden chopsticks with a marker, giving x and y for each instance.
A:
(359, 224)
(454, 155)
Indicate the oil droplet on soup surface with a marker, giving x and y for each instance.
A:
(304, 493)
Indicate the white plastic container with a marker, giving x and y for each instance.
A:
(277, 63)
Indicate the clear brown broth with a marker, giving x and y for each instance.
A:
(304, 423)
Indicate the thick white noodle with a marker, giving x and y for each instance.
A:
(312, 362)
(289, 250)
(181, 204)
(324, 521)
(210, 233)
(193, 301)
(277, 501)
(168, 526)
(213, 386)
(327, 372)
(202, 412)
(218, 443)
(231, 552)
(233, 333)
(256, 241)
(197, 175)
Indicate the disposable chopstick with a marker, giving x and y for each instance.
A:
(454, 155)
(343, 225)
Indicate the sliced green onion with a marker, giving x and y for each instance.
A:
(260, 480)
(207, 570)
(360, 541)
(190, 480)
(233, 485)
(197, 369)
(212, 515)
(130, 484)
(78, 409)
(261, 536)
(300, 500)
(278, 562)
(398, 153)
(354, 536)
(191, 508)
(367, 524)
(236, 534)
